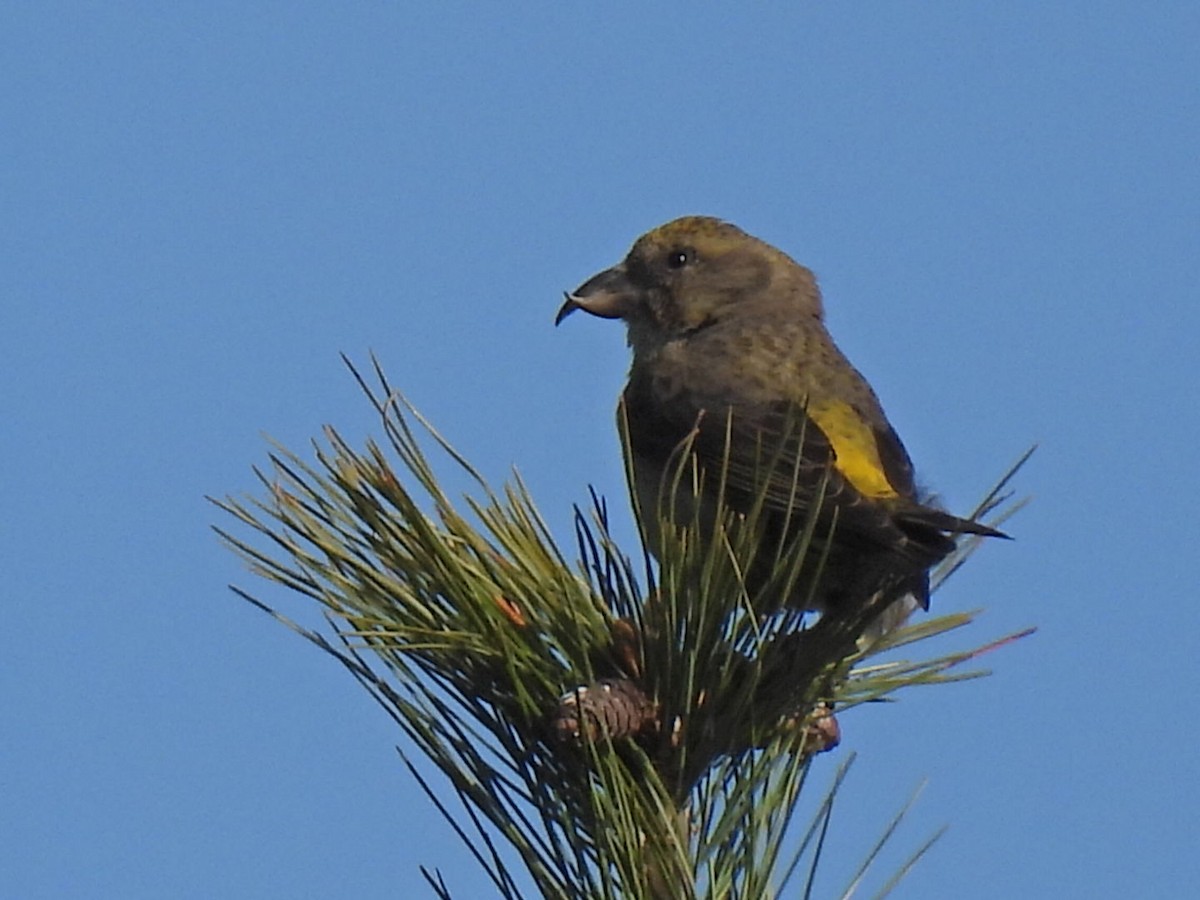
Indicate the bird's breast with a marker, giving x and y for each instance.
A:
(729, 366)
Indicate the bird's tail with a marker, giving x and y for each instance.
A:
(924, 517)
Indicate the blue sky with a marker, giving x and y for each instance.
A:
(203, 204)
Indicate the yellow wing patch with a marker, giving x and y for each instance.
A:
(856, 452)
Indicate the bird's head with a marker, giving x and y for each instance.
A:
(691, 273)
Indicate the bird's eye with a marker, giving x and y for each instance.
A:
(677, 259)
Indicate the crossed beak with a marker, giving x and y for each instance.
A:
(609, 295)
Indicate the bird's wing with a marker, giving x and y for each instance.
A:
(774, 454)
(783, 456)
(867, 452)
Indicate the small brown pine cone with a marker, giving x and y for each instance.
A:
(612, 707)
(822, 730)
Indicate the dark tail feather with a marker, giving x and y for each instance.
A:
(924, 517)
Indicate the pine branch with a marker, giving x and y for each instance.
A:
(683, 764)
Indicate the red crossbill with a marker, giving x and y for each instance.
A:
(732, 365)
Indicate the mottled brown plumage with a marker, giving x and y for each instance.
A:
(730, 351)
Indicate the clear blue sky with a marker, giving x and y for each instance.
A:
(203, 203)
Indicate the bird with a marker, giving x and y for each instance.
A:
(733, 368)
